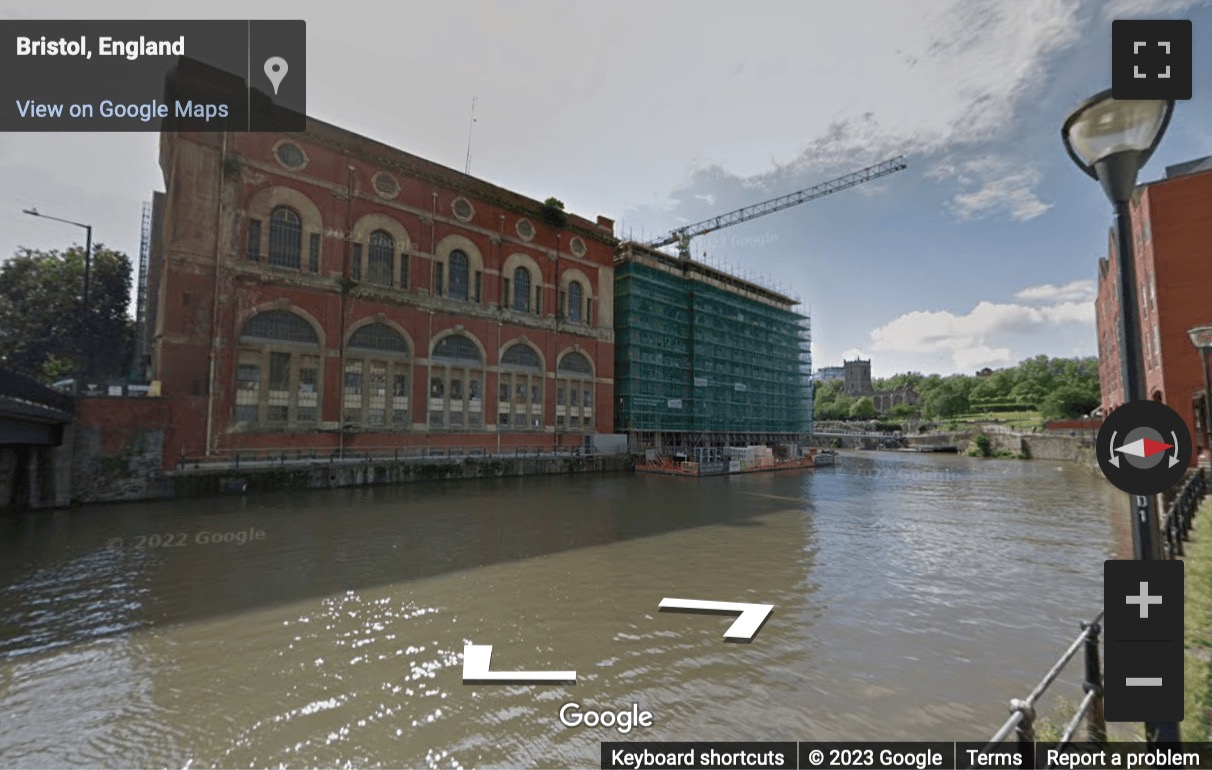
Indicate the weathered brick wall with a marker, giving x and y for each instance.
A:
(118, 451)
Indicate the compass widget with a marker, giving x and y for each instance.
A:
(1144, 447)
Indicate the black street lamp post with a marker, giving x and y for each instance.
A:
(88, 247)
(1110, 140)
(1201, 338)
(83, 317)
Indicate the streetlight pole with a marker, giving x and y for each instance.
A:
(83, 317)
(88, 247)
(1111, 140)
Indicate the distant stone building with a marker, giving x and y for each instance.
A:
(886, 399)
(857, 376)
(857, 384)
(829, 373)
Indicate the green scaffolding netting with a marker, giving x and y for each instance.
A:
(691, 356)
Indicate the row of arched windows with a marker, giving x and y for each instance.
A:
(278, 382)
(385, 262)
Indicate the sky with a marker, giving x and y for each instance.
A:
(981, 253)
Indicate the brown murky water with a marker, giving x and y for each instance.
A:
(914, 595)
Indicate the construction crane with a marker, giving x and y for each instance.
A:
(682, 235)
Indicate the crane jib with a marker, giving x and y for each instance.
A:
(682, 235)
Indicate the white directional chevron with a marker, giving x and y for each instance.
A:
(476, 660)
(745, 627)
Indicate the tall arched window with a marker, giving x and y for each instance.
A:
(381, 258)
(285, 238)
(521, 290)
(456, 384)
(378, 371)
(278, 371)
(576, 302)
(457, 280)
(574, 393)
(520, 382)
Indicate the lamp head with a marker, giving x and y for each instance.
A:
(1201, 337)
(1111, 139)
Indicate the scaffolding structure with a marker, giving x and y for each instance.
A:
(706, 359)
(143, 343)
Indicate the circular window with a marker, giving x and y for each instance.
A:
(386, 185)
(525, 229)
(462, 209)
(290, 155)
(578, 246)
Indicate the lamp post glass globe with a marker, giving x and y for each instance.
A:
(1111, 139)
(1108, 126)
(1201, 337)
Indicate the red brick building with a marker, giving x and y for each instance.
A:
(321, 290)
(1172, 230)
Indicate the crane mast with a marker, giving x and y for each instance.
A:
(682, 235)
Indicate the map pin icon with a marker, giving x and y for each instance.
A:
(275, 70)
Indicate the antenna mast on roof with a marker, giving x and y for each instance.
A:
(470, 126)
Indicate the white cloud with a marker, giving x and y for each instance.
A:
(996, 185)
(990, 334)
(1117, 9)
(1074, 291)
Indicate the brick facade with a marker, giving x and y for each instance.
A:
(1171, 229)
(333, 241)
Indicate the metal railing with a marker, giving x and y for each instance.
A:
(1176, 527)
(1176, 522)
(1022, 720)
(285, 457)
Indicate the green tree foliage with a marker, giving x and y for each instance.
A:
(1058, 387)
(862, 409)
(42, 327)
(1068, 402)
(903, 411)
(553, 212)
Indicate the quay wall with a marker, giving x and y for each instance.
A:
(118, 455)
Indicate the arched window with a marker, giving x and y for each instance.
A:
(520, 389)
(456, 384)
(521, 290)
(285, 238)
(381, 258)
(278, 372)
(377, 375)
(576, 302)
(458, 275)
(574, 393)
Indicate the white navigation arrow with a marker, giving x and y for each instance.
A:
(476, 659)
(1144, 447)
(745, 627)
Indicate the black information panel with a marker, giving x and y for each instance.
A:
(153, 75)
(1143, 641)
(871, 755)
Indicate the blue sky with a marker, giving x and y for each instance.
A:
(982, 252)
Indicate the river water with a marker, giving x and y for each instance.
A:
(913, 595)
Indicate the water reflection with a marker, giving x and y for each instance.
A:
(913, 597)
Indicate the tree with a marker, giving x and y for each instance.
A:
(862, 409)
(948, 399)
(43, 328)
(1068, 401)
(553, 212)
(903, 411)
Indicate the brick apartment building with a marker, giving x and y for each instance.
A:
(321, 290)
(1172, 230)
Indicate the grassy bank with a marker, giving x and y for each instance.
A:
(1197, 706)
